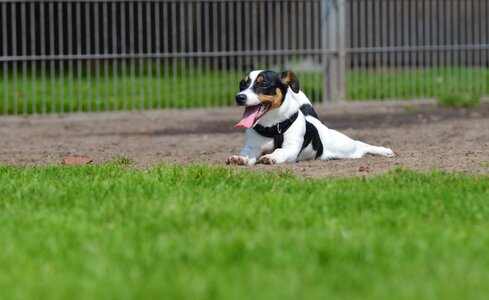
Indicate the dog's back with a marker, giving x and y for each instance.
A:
(304, 104)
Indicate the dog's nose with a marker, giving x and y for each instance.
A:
(240, 99)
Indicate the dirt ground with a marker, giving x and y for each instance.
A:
(423, 135)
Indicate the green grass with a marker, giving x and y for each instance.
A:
(460, 100)
(113, 232)
(439, 82)
(90, 91)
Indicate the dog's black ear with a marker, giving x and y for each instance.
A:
(289, 78)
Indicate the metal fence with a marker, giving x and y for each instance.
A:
(72, 56)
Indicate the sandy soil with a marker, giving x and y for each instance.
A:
(423, 136)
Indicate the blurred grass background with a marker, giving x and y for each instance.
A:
(139, 87)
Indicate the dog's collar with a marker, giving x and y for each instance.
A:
(276, 131)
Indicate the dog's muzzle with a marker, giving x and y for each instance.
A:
(241, 99)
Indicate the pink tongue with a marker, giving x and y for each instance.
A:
(248, 117)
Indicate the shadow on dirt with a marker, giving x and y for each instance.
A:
(418, 115)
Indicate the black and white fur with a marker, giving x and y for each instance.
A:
(306, 138)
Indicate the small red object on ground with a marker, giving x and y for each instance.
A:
(364, 169)
(77, 160)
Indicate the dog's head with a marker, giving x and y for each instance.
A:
(261, 91)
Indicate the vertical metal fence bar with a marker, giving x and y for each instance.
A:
(461, 41)
(166, 66)
(425, 66)
(468, 53)
(384, 33)
(158, 51)
(403, 34)
(433, 39)
(198, 28)
(150, 62)
(484, 12)
(270, 40)
(364, 43)
(408, 54)
(351, 68)
(23, 22)
(207, 59)
(61, 78)
(440, 61)
(300, 41)
(176, 91)
(183, 73)
(140, 49)
(392, 66)
(32, 40)
(459, 56)
(71, 80)
(377, 40)
(132, 61)
(370, 39)
(115, 67)
(88, 49)
(466, 58)
(263, 29)
(123, 46)
(420, 39)
(14, 63)
(397, 42)
(443, 40)
(450, 41)
(317, 45)
(96, 32)
(412, 25)
(105, 32)
(476, 21)
(79, 52)
(215, 46)
(486, 52)
(373, 43)
(352, 83)
(52, 75)
(470, 30)
(42, 40)
(246, 32)
(308, 44)
(190, 61)
(224, 73)
(5, 63)
(283, 33)
(228, 46)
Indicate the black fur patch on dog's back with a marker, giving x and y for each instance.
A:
(308, 110)
(312, 136)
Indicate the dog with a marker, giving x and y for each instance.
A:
(282, 126)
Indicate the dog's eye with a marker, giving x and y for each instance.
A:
(264, 85)
(242, 85)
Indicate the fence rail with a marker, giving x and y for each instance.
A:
(69, 56)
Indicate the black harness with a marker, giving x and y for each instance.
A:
(276, 131)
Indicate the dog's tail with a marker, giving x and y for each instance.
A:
(364, 148)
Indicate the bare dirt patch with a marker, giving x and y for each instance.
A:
(424, 137)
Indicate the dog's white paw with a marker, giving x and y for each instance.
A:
(267, 160)
(236, 160)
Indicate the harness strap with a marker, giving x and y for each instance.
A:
(276, 131)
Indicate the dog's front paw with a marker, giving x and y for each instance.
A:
(236, 160)
(267, 160)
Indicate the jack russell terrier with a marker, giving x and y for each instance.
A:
(282, 125)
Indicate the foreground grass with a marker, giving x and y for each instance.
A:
(141, 88)
(205, 233)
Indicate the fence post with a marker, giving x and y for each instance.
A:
(334, 31)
